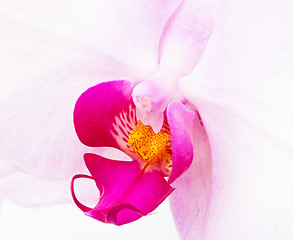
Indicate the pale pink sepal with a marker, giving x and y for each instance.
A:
(186, 35)
(182, 43)
(242, 88)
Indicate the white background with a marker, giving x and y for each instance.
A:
(68, 222)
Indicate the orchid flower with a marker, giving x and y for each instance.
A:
(105, 115)
(239, 183)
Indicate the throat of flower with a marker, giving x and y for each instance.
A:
(152, 148)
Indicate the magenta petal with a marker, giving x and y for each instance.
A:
(96, 109)
(181, 121)
(129, 192)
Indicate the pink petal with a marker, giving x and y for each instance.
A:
(129, 192)
(189, 203)
(243, 91)
(104, 115)
(186, 36)
(181, 122)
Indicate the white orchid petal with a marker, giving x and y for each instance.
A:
(127, 30)
(242, 89)
(29, 190)
(50, 54)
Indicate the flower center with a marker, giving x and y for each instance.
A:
(152, 148)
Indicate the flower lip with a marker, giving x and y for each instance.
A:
(126, 186)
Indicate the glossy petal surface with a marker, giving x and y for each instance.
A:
(128, 191)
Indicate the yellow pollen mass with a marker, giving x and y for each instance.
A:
(149, 146)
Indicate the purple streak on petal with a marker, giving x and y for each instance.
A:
(130, 192)
(95, 112)
(181, 122)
